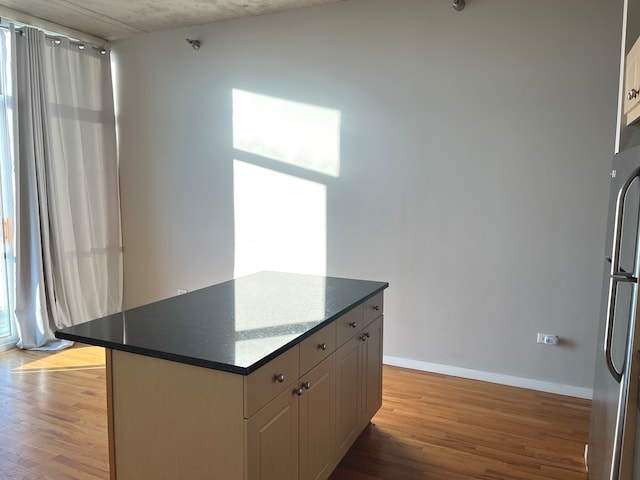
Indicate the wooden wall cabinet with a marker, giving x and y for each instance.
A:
(627, 125)
(631, 99)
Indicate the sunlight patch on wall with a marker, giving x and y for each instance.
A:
(280, 222)
(307, 136)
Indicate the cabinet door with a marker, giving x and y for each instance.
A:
(632, 84)
(272, 440)
(317, 421)
(371, 362)
(347, 395)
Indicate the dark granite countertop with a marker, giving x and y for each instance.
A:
(236, 326)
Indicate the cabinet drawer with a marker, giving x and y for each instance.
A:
(372, 308)
(271, 379)
(348, 325)
(317, 347)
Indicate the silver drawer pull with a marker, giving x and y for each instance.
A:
(322, 346)
(353, 324)
(298, 391)
(376, 308)
(363, 338)
(279, 378)
(306, 385)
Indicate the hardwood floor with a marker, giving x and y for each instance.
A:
(53, 422)
(53, 426)
(446, 428)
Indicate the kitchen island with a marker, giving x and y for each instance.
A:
(269, 376)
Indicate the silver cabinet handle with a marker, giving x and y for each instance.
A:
(298, 391)
(279, 378)
(353, 324)
(322, 346)
(363, 338)
(307, 385)
(633, 93)
(376, 308)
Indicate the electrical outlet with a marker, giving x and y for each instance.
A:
(182, 291)
(548, 339)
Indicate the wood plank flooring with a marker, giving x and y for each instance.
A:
(53, 426)
(53, 422)
(445, 428)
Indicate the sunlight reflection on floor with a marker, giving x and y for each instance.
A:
(75, 358)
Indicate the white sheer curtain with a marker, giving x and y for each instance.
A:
(68, 251)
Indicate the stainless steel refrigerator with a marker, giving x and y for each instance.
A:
(614, 429)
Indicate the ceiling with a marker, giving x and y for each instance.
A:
(114, 19)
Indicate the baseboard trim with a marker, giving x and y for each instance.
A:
(513, 381)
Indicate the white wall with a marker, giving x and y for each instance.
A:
(474, 157)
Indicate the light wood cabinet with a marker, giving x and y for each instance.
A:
(277, 376)
(371, 386)
(348, 398)
(372, 308)
(631, 99)
(317, 421)
(294, 418)
(272, 440)
(293, 436)
(358, 375)
(169, 421)
(628, 126)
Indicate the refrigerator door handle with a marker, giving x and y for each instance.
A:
(618, 274)
(608, 332)
(624, 277)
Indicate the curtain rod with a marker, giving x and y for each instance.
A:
(56, 40)
(26, 19)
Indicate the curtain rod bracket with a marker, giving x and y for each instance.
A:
(195, 44)
(458, 5)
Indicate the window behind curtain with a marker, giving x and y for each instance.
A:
(8, 333)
